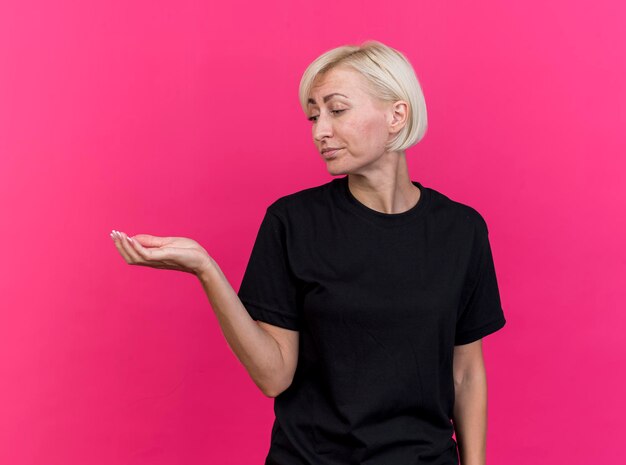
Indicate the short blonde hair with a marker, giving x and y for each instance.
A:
(391, 78)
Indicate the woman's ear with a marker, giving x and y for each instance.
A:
(399, 115)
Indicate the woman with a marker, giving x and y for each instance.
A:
(363, 305)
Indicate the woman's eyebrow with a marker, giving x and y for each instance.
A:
(328, 97)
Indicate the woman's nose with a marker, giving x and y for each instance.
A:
(322, 128)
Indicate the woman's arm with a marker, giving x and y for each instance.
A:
(258, 351)
(470, 406)
(269, 356)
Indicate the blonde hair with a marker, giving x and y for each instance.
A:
(390, 76)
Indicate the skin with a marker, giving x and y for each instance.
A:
(470, 407)
(361, 125)
(269, 353)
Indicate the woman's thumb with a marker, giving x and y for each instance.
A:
(148, 240)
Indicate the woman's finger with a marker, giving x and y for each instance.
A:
(145, 254)
(135, 258)
(118, 244)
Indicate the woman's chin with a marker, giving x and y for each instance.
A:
(334, 171)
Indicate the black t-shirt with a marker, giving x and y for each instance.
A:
(380, 301)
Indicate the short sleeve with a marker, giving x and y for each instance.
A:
(268, 288)
(481, 310)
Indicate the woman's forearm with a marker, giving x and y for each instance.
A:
(470, 418)
(256, 349)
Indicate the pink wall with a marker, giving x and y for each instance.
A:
(183, 119)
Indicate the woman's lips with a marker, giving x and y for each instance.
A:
(330, 154)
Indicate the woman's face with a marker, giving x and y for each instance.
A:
(355, 122)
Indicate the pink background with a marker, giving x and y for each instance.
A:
(182, 118)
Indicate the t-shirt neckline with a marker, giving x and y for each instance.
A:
(380, 218)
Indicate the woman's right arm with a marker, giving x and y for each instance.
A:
(270, 366)
(269, 353)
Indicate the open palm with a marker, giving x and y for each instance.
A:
(169, 253)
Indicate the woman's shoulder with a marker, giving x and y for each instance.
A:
(308, 198)
(446, 207)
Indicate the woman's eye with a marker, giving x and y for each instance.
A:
(313, 118)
